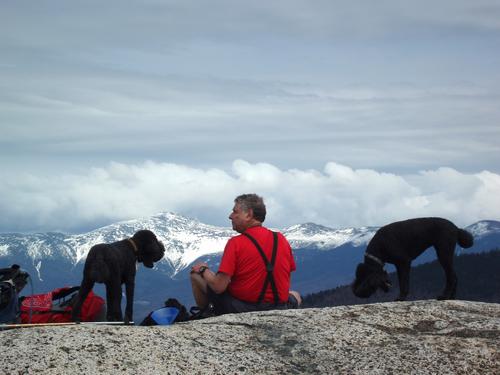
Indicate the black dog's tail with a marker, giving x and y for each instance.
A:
(465, 239)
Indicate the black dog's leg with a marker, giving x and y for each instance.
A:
(114, 300)
(445, 257)
(129, 308)
(403, 270)
(85, 288)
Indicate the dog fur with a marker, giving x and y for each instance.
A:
(115, 264)
(400, 243)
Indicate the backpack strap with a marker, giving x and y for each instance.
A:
(64, 292)
(269, 267)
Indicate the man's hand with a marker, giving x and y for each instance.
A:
(218, 282)
(196, 267)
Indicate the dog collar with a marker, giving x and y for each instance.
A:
(133, 245)
(374, 258)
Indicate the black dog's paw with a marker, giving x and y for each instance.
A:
(76, 319)
(128, 320)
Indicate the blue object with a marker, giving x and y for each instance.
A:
(165, 316)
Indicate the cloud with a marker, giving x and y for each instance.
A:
(377, 87)
(337, 196)
(135, 119)
(142, 24)
(385, 85)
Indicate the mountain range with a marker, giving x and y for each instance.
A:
(477, 274)
(325, 257)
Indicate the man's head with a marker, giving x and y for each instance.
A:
(248, 211)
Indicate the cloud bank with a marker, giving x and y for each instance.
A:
(337, 196)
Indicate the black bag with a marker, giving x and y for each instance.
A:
(182, 316)
(12, 281)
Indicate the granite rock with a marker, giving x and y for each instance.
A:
(421, 337)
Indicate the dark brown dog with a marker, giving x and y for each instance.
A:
(401, 242)
(115, 264)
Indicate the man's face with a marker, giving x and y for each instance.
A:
(240, 218)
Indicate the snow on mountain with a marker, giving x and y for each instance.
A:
(35, 246)
(185, 239)
(308, 235)
(4, 250)
(483, 228)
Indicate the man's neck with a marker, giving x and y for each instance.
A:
(252, 225)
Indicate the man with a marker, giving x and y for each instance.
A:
(245, 280)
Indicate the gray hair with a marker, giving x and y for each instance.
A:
(253, 202)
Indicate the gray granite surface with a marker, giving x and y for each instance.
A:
(423, 337)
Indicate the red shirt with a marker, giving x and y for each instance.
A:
(243, 263)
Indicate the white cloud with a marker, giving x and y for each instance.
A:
(380, 86)
(338, 196)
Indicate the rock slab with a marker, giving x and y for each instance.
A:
(420, 337)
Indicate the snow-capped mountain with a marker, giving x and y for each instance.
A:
(325, 257)
(486, 236)
(185, 240)
(302, 236)
(483, 228)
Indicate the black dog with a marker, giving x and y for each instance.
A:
(115, 264)
(401, 242)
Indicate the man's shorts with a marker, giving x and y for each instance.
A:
(225, 303)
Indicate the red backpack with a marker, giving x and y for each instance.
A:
(56, 307)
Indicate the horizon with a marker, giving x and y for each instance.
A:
(228, 227)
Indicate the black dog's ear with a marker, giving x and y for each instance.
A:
(150, 249)
(361, 270)
(359, 279)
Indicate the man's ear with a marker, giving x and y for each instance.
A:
(249, 212)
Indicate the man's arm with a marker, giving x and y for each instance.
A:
(218, 282)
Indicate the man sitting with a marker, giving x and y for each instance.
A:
(254, 273)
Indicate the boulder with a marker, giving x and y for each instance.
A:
(419, 337)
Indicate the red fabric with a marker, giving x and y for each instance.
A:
(242, 262)
(45, 308)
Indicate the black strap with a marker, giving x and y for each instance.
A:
(269, 267)
(51, 312)
(64, 292)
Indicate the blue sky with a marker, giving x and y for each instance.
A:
(339, 112)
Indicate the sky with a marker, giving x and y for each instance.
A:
(341, 113)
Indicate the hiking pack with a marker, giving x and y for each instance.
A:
(56, 306)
